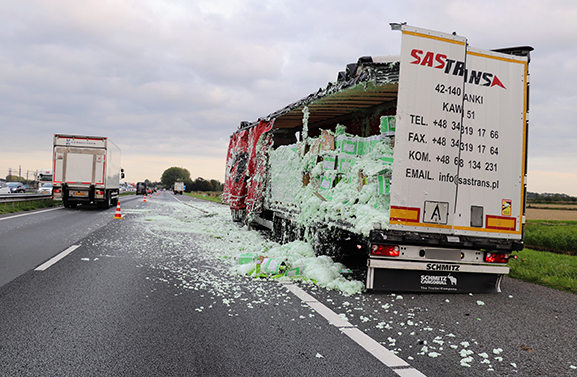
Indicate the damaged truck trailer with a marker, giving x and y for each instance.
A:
(418, 161)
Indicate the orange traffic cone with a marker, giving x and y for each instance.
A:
(118, 214)
(144, 201)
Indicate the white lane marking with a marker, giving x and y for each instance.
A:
(397, 365)
(190, 205)
(332, 317)
(31, 213)
(55, 259)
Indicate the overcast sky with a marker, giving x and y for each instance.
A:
(169, 80)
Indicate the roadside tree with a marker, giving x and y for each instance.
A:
(174, 174)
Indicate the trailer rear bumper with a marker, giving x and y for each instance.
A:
(433, 277)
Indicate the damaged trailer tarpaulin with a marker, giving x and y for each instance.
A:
(246, 168)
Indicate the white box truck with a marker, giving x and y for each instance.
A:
(86, 170)
(178, 188)
(417, 160)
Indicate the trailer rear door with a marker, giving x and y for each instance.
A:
(460, 141)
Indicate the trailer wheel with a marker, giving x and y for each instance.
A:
(238, 215)
(324, 241)
(284, 230)
(278, 229)
(68, 204)
(106, 204)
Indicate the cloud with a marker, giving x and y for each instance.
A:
(169, 81)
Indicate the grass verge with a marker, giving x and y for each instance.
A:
(554, 236)
(210, 196)
(548, 269)
(15, 207)
(128, 193)
(27, 206)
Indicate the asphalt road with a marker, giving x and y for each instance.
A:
(112, 308)
(29, 238)
(149, 296)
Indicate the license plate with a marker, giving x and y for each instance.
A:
(79, 193)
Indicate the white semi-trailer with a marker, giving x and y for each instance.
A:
(178, 188)
(417, 160)
(86, 170)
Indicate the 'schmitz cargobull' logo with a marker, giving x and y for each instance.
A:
(438, 280)
(455, 68)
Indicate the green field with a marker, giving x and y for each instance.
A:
(550, 258)
(554, 236)
(210, 196)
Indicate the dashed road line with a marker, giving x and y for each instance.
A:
(190, 205)
(30, 213)
(55, 259)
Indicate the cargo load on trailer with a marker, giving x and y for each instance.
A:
(86, 170)
(418, 161)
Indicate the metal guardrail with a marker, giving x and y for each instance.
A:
(13, 198)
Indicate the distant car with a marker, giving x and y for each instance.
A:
(46, 188)
(16, 187)
(4, 189)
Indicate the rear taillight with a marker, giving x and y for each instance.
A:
(491, 257)
(385, 250)
(99, 193)
(57, 191)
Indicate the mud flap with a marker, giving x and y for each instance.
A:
(430, 281)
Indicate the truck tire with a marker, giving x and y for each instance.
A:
(285, 230)
(68, 204)
(238, 215)
(105, 204)
(277, 229)
(324, 241)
